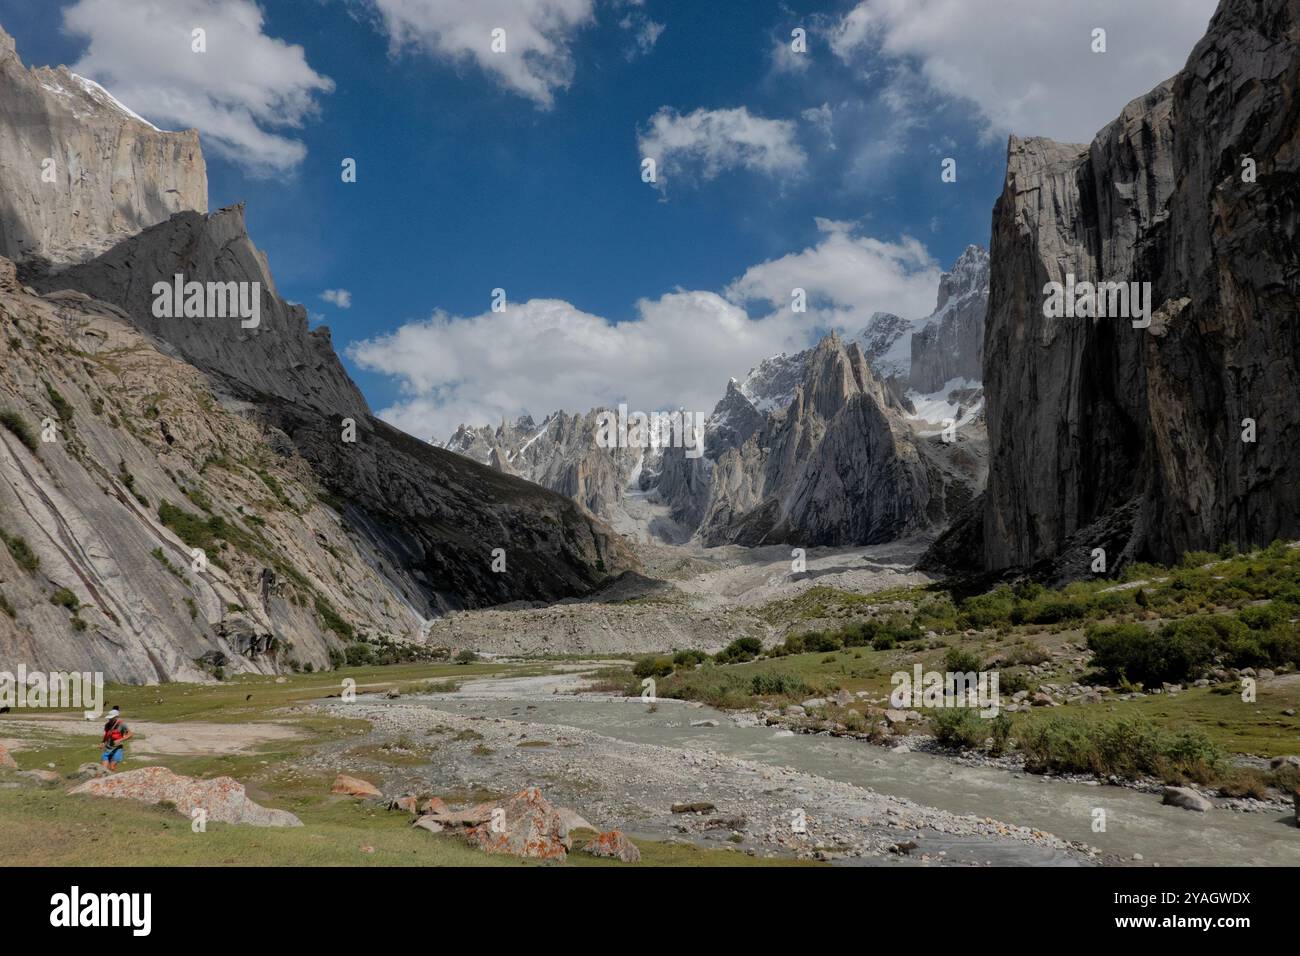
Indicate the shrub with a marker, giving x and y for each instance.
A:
(1179, 650)
(1263, 616)
(777, 685)
(331, 619)
(65, 598)
(466, 657)
(61, 406)
(959, 661)
(358, 654)
(15, 423)
(738, 651)
(1000, 730)
(652, 667)
(1028, 654)
(959, 727)
(21, 552)
(689, 658)
(1124, 747)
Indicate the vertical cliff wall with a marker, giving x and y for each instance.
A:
(78, 170)
(1102, 431)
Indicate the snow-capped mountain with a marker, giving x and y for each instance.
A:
(951, 342)
(908, 380)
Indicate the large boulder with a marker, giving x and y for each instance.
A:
(615, 845)
(1186, 798)
(222, 799)
(529, 827)
(355, 787)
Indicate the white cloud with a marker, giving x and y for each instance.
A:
(545, 354)
(847, 277)
(708, 142)
(339, 297)
(785, 60)
(822, 117)
(236, 94)
(1027, 64)
(645, 34)
(537, 61)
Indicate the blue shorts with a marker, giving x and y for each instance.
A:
(112, 756)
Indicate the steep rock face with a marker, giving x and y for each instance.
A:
(136, 434)
(839, 466)
(112, 173)
(951, 343)
(279, 357)
(886, 342)
(436, 517)
(561, 454)
(1091, 419)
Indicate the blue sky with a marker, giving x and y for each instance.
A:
(473, 176)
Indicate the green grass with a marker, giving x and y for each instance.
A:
(47, 826)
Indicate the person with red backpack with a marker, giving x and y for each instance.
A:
(116, 733)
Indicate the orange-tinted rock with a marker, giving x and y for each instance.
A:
(615, 845)
(354, 787)
(6, 760)
(435, 805)
(528, 826)
(407, 802)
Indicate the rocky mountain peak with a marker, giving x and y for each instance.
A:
(61, 204)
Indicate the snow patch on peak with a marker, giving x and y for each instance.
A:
(97, 92)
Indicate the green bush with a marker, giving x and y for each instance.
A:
(652, 667)
(959, 661)
(61, 406)
(65, 598)
(689, 658)
(740, 650)
(21, 552)
(18, 426)
(1178, 651)
(1000, 728)
(777, 685)
(358, 654)
(959, 727)
(1125, 747)
(466, 657)
(331, 619)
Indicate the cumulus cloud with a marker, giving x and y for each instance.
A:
(546, 354)
(537, 60)
(847, 277)
(339, 297)
(543, 355)
(242, 94)
(706, 143)
(1027, 65)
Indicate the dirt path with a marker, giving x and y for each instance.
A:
(195, 737)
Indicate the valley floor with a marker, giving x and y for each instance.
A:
(729, 764)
